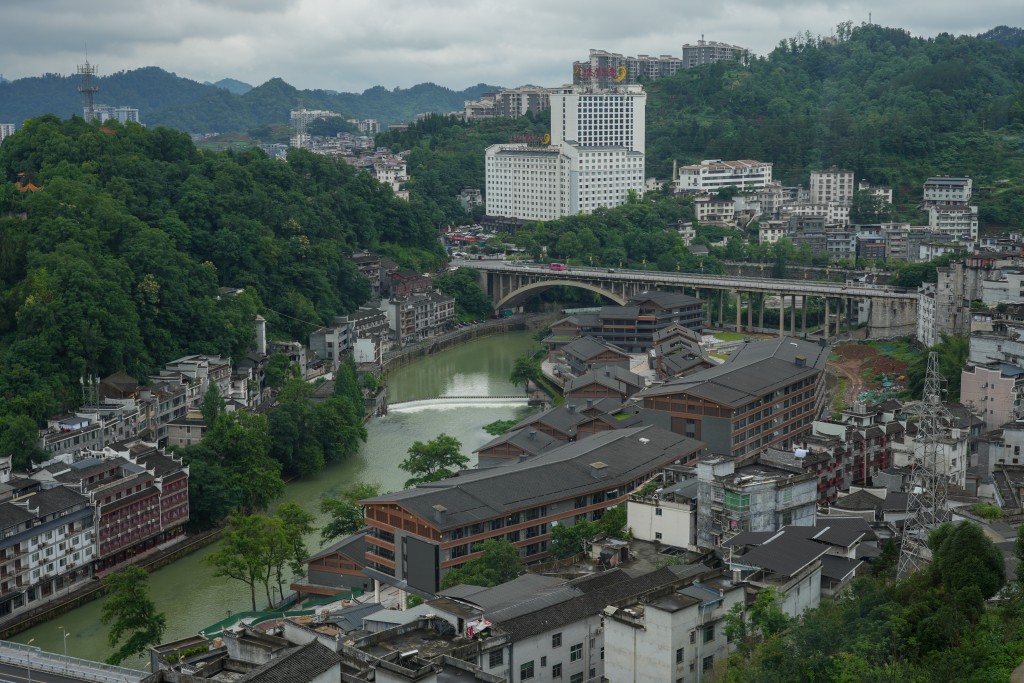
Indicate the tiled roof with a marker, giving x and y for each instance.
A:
(565, 472)
(528, 440)
(301, 664)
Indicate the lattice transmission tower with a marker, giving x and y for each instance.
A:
(926, 502)
(88, 89)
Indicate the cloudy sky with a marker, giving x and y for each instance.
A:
(350, 45)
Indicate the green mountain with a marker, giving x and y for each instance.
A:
(165, 99)
(233, 86)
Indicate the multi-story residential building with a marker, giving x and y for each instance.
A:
(93, 426)
(993, 392)
(140, 496)
(163, 402)
(712, 175)
(880, 191)
(470, 198)
(595, 157)
(863, 445)
(766, 394)
(710, 51)
(667, 515)
(958, 222)
(1002, 286)
(946, 191)
(589, 353)
(733, 498)
(608, 68)
(417, 535)
(198, 373)
(369, 265)
(952, 453)
(46, 544)
(710, 209)
(6, 130)
(300, 118)
(186, 431)
(418, 316)
(365, 126)
(770, 232)
(121, 114)
(509, 103)
(671, 635)
(832, 185)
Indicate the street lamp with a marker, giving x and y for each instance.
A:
(66, 634)
(29, 667)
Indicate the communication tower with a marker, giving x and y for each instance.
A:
(88, 89)
(926, 502)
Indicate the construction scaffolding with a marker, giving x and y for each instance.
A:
(926, 502)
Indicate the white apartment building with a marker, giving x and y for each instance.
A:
(304, 117)
(595, 158)
(106, 112)
(882, 192)
(948, 191)
(950, 458)
(6, 130)
(833, 185)
(770, 232)
(711, 175)
(958, 221)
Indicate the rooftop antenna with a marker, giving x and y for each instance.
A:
(88, 88)
(926, 500)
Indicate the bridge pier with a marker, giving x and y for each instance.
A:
(750, 312)
(826, 318)
(739, 311)
(760, 313)
(792, 316)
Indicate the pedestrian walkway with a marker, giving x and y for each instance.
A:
(36, 659)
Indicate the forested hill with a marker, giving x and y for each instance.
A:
(893, 108)
(165, 99)
(116, 263)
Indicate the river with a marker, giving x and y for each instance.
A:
(192, 599)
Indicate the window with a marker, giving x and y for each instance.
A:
(679, 656)
(576, 678)
(543, 662)
(526, 670)
(657, 512)
(709, 633)
(693, 637)
(708, 663)
(657, 535)
(496, 658)
(556, 670)
(556, 640)
(576, 652)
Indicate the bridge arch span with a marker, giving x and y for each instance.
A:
(516, 296)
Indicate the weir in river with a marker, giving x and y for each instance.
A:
(192, 598)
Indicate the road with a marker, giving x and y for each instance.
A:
(17, 674)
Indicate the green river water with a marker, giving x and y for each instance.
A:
(192, 599)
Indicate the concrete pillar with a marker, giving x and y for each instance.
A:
(750, 312)
(826, 317)
(721, 306)
(760, 314)
(803, 322)
(792, 316)
(708, 304)
(376, 591)
(739, 310)
(403, 603)
(782, 316)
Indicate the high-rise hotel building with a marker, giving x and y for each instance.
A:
(595, 157)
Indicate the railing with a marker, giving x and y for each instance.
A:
(40, 660)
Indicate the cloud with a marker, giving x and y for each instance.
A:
(360, 43)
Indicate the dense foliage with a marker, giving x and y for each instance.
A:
(165, 99)
(438, 458)
(499, 561)
(932, 626)
(134, 623)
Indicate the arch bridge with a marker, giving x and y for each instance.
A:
(889, 312)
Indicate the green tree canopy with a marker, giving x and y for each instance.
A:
(344, 512)
(439, 458)
(499, 561)
(134, 623)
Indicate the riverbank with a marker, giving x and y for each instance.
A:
(94, 589)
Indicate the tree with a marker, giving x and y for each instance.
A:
(613, 521)
(213, 405)
(346, 515)
(525, 368)
(569, 540)
(953, 351)
(765, 614)
(280, 369)
(134, 623)
(499, 562)
(297, 525)
(19, 440)
(964, 557)
(866, 208)
(436, 459)
(248, 552)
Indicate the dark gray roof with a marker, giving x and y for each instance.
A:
(353, 547)
(753, 370)
(57, 499)
(586, 348)
(527, 439)
(838, 568)
(619, 586)
(351, 618)
(565, 472)
(619, 312)
(296, 665)
(784, 553)
(12, 515)
(666, 300)
(749, 538)
(518, 592)
(859, 500)
(560, 418)
(611, 376)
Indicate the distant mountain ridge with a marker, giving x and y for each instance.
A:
(166, 99)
